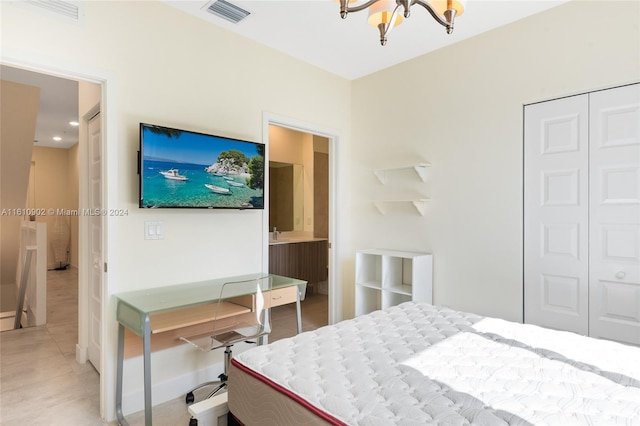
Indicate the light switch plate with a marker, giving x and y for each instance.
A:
(153, 230)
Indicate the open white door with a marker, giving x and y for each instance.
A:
(94, 238)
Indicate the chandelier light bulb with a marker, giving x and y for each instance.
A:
(441, 6)
(382, 13)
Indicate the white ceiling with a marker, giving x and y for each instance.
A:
(310, 30)
(58, 105)
(313, 31)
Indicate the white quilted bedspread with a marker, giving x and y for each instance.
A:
(417, 364)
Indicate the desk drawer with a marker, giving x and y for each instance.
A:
(283, 296)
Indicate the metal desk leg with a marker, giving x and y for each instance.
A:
(146, 343)
(298, 312)
(119, 372)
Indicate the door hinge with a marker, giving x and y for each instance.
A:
(105, 266)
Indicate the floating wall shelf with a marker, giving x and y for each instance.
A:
(420, 169)
(420, 204)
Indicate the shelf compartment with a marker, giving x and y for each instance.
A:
(406, 289)
(377, 285)
(397, 274)
(367, 300)
(391, 299)
(369, 269)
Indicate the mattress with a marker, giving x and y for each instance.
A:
(418, 364)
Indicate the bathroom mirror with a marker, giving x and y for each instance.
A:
(286, 196)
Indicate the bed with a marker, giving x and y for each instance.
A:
(419, 364)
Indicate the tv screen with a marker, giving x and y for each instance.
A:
(184, 169)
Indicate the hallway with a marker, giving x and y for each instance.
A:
(42, 384)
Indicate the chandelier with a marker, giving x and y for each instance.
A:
(385, 14)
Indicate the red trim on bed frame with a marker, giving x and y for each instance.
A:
(306, 404)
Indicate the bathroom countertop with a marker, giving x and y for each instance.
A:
(298, 239)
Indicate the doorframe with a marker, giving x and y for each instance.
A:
(336, 312)
(59, 67)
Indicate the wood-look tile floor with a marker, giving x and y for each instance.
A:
(42, 384)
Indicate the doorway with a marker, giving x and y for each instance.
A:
(315, 219)
(75, 279)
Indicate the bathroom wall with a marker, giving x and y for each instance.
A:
(312, 152)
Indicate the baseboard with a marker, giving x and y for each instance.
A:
(82, 354)
(7, 321)
(168, 390)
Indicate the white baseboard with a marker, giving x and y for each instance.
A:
(82, 354)
(174, 372)
(168, 390)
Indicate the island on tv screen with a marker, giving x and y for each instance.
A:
(185, 169)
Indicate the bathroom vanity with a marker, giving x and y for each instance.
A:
(300, 257)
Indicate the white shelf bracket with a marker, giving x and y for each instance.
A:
(421, 170)
(381, 175)
(378, 206)
(420, 205)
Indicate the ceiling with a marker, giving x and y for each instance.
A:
(57, 107)
(310, 30)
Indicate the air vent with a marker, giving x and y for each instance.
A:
(228, 11)
(58, 7)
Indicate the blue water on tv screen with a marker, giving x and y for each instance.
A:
(184, 169)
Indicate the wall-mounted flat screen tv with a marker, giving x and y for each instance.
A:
(184, 169)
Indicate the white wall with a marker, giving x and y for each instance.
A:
(165, 67)
(461, 109)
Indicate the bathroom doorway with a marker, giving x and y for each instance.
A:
(300, 158)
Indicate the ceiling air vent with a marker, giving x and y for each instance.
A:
(57, 7)
(228, 11)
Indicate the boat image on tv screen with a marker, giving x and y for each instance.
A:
(184, 169)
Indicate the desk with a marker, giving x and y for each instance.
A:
(134, 308)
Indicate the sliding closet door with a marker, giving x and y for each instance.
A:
(556, 214)
(615, 214)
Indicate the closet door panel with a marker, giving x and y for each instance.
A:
(615, 214)
(556, 214)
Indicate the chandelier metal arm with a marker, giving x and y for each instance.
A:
(385, 27)
(345, 8)
(449, 15)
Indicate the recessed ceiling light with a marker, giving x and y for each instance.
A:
(74, 123)
(57, 138)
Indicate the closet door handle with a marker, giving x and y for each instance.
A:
(620, 275)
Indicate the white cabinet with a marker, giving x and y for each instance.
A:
(386, 277)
